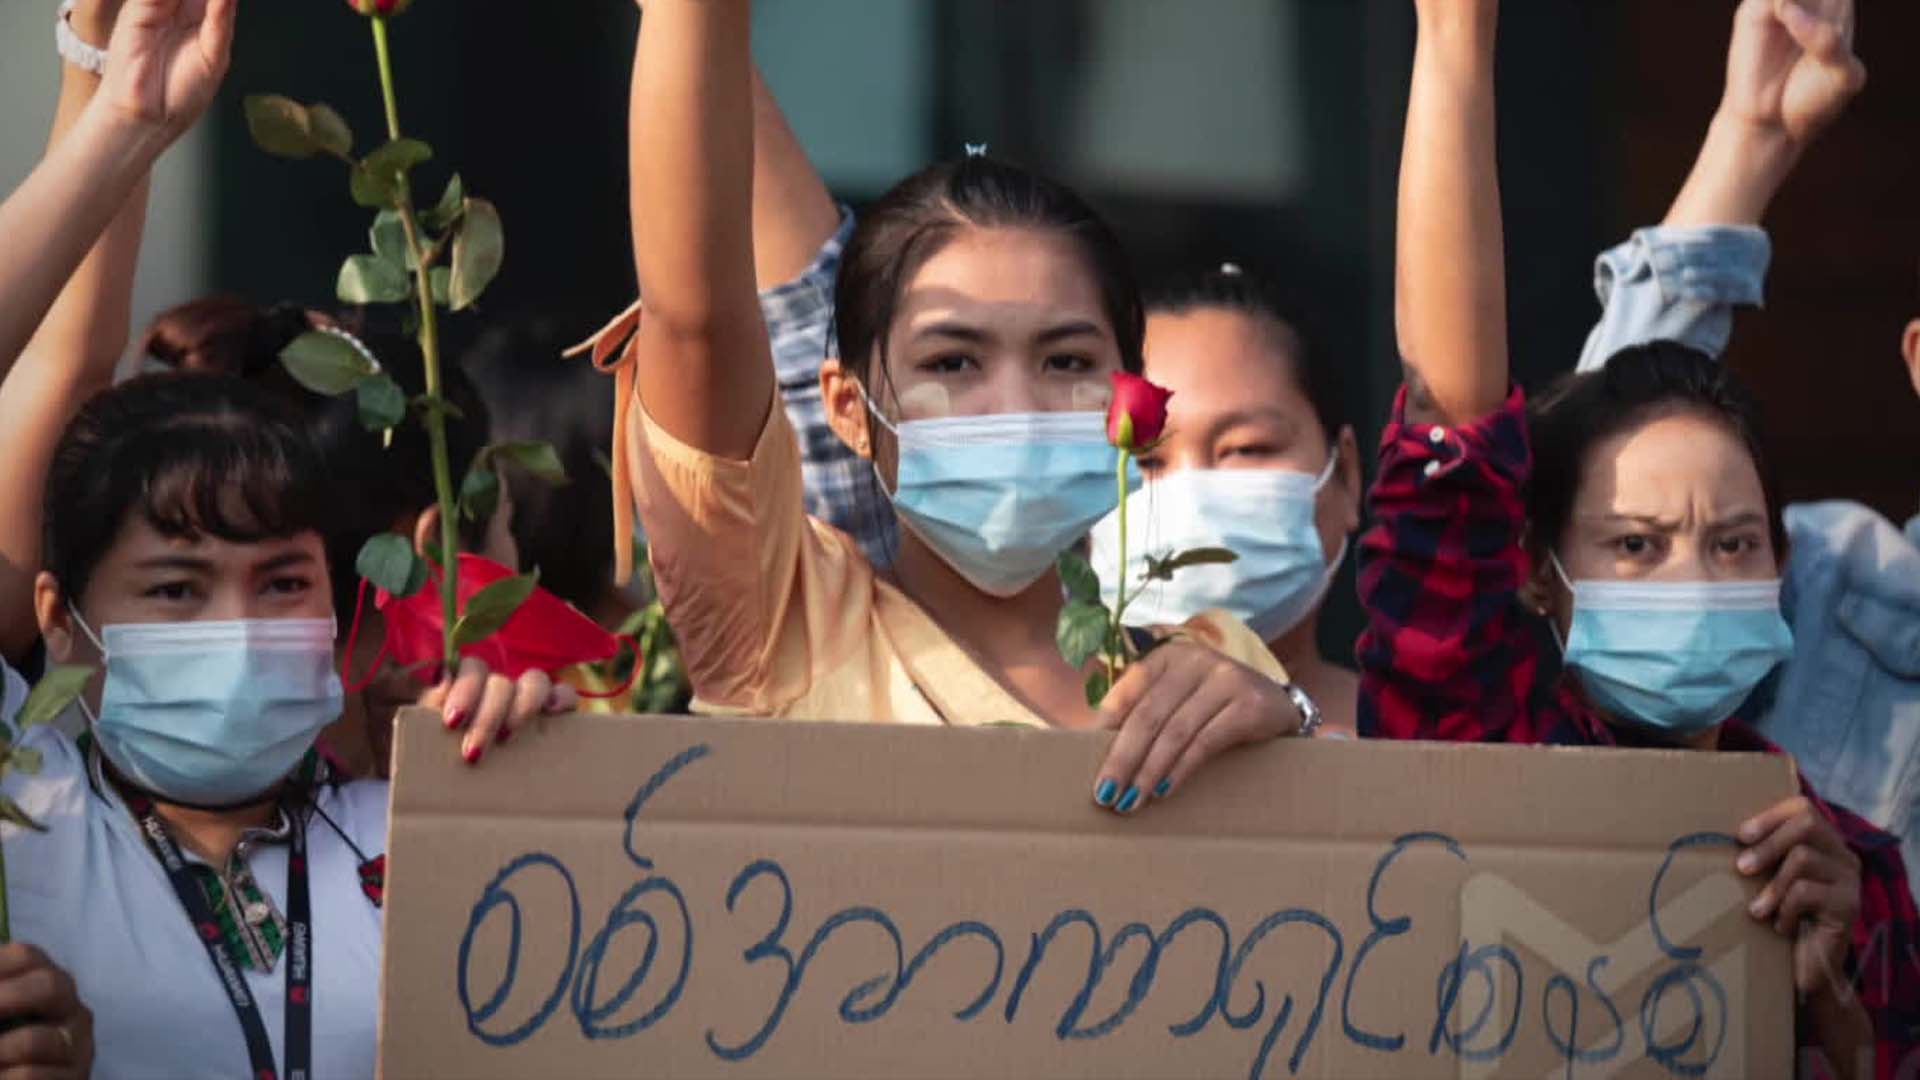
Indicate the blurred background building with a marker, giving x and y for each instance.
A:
(1263, 132)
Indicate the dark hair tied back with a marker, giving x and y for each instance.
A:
(912, 222)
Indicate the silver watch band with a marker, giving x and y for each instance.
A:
(1310, 715)
(80, 54)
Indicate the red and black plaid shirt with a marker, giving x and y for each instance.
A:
(1450, 654)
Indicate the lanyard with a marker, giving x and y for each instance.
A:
(299, 952)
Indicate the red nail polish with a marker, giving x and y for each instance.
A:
(505, 734)
(455, 717)
(471, 753)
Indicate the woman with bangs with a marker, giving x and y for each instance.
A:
(981, 312)
(1628, 511)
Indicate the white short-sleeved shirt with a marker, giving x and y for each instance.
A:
(91, 894)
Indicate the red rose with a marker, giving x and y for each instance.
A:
(1137, 416)
(382, 8)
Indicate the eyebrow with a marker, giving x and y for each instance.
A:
(175, 562)
(1736, 521)
(974, 335)
(286, 561)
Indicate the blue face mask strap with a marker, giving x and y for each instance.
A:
(74, 613)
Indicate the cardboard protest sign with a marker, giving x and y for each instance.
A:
(706, 898)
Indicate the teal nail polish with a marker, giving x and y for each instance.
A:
(1128, 801)
(1103, 795)
(1160, 789)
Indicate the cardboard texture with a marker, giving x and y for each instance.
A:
(704, 898)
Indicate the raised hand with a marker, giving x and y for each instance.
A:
(166, 60)
(1791, 67)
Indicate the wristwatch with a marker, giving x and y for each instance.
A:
(1310, 715)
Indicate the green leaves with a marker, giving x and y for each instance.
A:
(390, 563)
(56, 690)
(11, 813)
(480, 490)
(379, 181)
(1098, 685)
(369, 279)
(491, 607)
(453, 203)
(1078, 578)
(381, 402)
(479, 250)
(325, 363)
(286, 128)
(1163, 568)
(1082, 631)
(389, 239)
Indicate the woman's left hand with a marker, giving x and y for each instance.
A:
(1814, 895)
(166, 60)
(1177, 708)
(490, 708)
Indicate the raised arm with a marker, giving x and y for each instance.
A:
(73, 232)
(793, 213)
(705, 372)
(1450, 265)
(1791, 71)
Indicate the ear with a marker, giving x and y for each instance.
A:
(847, 411)
(1349, 477)
(426, 530)
(56, 622)
(1542, 593)
(1910, 349)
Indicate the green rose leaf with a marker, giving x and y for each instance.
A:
(1097, 686)
(538, 458)
(24, 759)
(325, 363)
(1162, 569)
(369, 279)
(389, 239)
(480, 492)
(382, 403)
(56, 690)
(281, 126)
(377, 180)
(440, 279)
(330, 131)
(1077, 576)
(11, 813)
(390, 563)
(452, 203)
(1081, 632)
(479, 250)
(491, 607)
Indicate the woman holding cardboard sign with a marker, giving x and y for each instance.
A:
(982, 311)
(1650, 543)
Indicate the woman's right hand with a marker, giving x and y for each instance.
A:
(1792, 69)
(166, 61)
(48, 1031)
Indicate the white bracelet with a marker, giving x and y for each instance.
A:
(74, 51)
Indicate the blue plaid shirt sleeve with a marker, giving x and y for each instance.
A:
(841, 488)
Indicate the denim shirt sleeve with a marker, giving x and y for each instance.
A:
(840, 486)
(1676, 284)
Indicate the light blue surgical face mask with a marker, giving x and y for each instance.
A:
(1674, 657)
(999, 497)
(214, 713)
(1264, 516)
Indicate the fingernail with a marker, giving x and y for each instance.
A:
(1128, 801)
(1748, 834)
(471, 752)
(1103, 795)
(505, 734)
(1161, 789)
(1757, 906)
(455, 717)
(1745, 863)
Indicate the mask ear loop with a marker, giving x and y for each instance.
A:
(1553, 624)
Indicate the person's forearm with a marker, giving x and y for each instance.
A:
(793, 213)
(1450, 299)
(61, 211)
(706, 374)
(1740, 169)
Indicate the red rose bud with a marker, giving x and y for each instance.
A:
(1137, 416)
(382, 8)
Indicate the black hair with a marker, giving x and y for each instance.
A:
(193, 455)
(381, 485)
(1229, 288)
(912, 222)
(566, 530)
(1636, 385)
